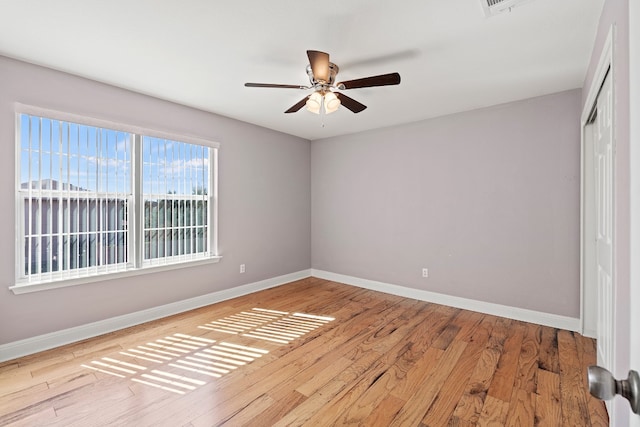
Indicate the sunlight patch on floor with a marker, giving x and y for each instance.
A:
(189, 358)
(274, 326)
(191, 362)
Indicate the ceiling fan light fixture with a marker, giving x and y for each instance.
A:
(331, 102)
(314, 103)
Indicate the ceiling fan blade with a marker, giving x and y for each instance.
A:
(319, 64)
(275, 85)
(297, 106)
(381, 80)
(350, 103)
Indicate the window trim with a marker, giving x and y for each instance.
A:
(24, 286)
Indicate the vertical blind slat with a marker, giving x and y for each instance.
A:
(39, 211)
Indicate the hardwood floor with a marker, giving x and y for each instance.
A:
(314, 353)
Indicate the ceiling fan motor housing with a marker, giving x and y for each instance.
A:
(333, 71)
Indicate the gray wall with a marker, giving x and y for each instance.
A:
(264, 213)
(488, 200)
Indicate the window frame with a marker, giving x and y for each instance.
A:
(136, 242)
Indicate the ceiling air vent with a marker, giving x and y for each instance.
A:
(494, 7)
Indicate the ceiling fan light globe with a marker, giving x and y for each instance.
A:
(314, 103)
(331, 102)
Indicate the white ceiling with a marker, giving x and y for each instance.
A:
(201, 52)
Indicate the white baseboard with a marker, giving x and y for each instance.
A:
(55, 339)
(522, 314)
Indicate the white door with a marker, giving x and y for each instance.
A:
(634, 134)
(603, 163)
(635, 324)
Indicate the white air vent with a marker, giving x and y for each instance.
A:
(494, 7)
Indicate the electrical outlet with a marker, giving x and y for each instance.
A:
(242, 269)
(425, 272)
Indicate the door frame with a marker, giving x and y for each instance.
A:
(587, 244)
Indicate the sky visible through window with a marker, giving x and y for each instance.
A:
(172, 167)
(88, 158)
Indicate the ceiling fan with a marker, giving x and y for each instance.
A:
(322, 75)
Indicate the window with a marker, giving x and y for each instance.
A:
(94, 200)
(175, 188)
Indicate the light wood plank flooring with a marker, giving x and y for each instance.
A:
(314, 353)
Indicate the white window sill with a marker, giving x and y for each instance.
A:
(23, 288)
